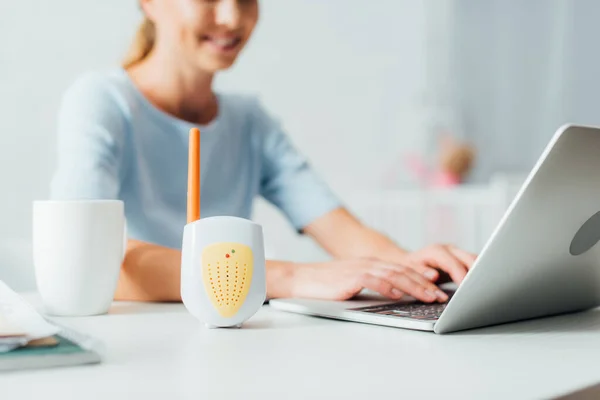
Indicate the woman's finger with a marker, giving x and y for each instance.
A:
(464, 256)
(403, 281)
(430, 273)
(428, 285)
(442, 258)
(422, 268)
(379, 285)
(418, 277)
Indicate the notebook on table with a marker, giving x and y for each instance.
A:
(29, 341)
(60, 350)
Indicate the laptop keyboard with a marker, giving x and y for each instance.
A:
(415, 310)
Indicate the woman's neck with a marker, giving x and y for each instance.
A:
(176, 88)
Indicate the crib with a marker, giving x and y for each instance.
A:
(464, 216)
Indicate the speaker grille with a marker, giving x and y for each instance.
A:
(227, 274)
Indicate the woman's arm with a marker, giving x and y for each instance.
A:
(344, 236)
(90, 140)
(149, 273)
(153, 273)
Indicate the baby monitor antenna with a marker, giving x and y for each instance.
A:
(193, 195)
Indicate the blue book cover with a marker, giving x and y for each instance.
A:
(61, 350)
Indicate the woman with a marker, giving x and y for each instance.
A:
(123, 134)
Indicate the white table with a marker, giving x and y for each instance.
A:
(161, 352)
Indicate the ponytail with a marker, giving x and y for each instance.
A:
(142, 45)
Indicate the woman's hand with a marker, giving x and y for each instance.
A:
(343, 236)
(343, 279)
(448, 258)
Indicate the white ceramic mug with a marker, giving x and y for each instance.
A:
(78, 248)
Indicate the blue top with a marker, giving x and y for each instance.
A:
(114, 144)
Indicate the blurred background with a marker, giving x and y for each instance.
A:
(362, 89)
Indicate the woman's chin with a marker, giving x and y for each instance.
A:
(216, 64)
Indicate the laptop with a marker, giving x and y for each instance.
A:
(541, 260)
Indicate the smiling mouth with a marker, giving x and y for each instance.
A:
(223, 44)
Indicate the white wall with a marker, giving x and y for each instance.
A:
(344, 78)
(519, 70)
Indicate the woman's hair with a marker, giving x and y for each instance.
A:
(142, 43)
